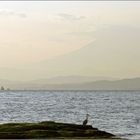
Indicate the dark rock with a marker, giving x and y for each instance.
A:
(50, 129)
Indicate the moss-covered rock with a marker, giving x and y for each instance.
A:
(50, 129)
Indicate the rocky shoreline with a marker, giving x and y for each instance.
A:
(51, 130)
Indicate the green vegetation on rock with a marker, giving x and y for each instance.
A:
(50, 129)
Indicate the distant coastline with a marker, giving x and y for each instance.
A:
(124, 84)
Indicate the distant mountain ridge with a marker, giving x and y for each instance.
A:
(75, 79)
(107, 55)
(124, 84)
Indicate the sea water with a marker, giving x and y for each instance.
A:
(117, 112)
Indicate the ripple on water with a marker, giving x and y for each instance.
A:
(117, 112)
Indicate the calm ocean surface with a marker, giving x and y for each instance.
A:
(117, 112)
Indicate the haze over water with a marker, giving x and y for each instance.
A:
(45, 39)
(71, 43)
(117, 112)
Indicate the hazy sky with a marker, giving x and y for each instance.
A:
(34, 31)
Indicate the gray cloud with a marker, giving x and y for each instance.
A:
(70, 17)
(12, 13)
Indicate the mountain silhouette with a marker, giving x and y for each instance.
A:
(111, 54)
(114, 53)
